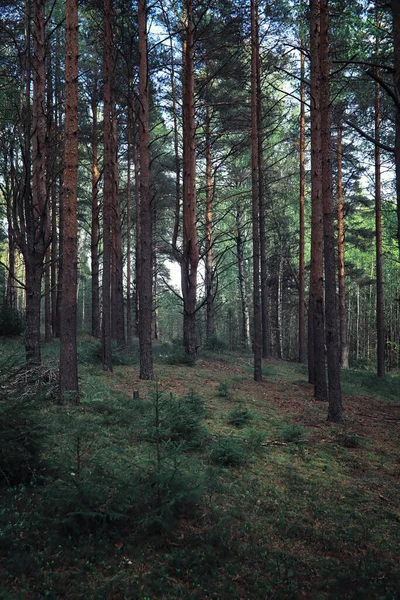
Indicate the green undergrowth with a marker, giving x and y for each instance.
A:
(208, 493)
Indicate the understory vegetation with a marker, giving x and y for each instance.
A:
(202, 484)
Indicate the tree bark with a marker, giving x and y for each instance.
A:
(302, 133)
(108, 176)
(255, 182)
(335, 410)
(190, 251)
(69, 391)
(95, 228)
(210, 322)
(145, 281)
(117, 282)
(395, 5)
(245, 327)
(380, 334)
(344, 344)
(316, 276)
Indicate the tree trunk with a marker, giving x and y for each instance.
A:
(35, 243)
(210, 322)
(108, 177)
(255, 182)
(395, 4)
(344, 345)
(302, 133)
(69, 392)
(261, 201)
(380, 335)
(145, 280)
(129, 217)
(117, 283)
(245, 327)
(33, 283)
(95, 228)
(316, 275)
(190, 251)
(335, 410)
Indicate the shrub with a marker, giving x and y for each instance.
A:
(239, 417)
(11, 320)
(291, 433)
(227, 452)
(215, 343)
(174, 420)
(223, 389)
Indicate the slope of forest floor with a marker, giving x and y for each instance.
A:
(203, 484)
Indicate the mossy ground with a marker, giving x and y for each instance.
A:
(307, 509)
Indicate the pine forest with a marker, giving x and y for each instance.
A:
(199, 299)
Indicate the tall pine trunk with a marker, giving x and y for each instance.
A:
(68, 351)
(380, 335)
(302, 133)
(95, 228)
(108, 176)
(255, 182)
(335, 410)
(145, 280)
(210, 321)
(344, 344)
(316, 310)
(190, 251)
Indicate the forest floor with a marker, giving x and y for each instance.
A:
(206, 484)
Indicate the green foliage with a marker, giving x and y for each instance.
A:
(291, 433)
(23, 390)
(176, 420)
(11, 321)
(179, 357)
(223, 389)
(239, 417)
(228, 452)
(216, 343)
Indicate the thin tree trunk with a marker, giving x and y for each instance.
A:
(301, 311)
(395, 5)
(335, 410)
(380, 335)
(117, 284)
(145, 281)
(95, 228)
(129, 218)
(69, 391)
(261, 200)
(210, 322)
(108, 177)
(255, 181)
(245, 327)
(316, 276)
(190, 251)
(344, 345)
(137, 224)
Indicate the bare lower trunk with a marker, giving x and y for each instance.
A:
(380, 335)
(210, 323)
(69, 392)
(95, 229)
(395, 4)
(33, 282)
(190, 251)
(108, 191)
(316, 275)
(257, 315)
(145, 281)
(301, 311)
(245, 328)
(335, 410)
(344, 345)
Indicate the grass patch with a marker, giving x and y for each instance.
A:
(148, 497)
